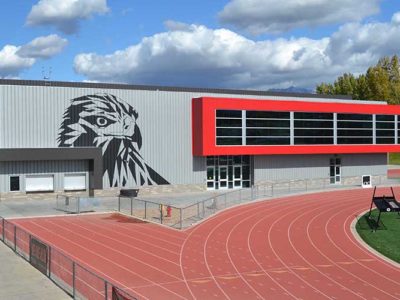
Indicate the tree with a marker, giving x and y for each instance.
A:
(380, 82)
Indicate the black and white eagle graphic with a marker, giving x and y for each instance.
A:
(103, 120)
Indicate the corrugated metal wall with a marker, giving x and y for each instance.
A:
(31, 117)
(283, 167)
(56, 168)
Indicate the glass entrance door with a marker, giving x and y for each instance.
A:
(228, 172)
(223, 177)
(335, 171)
(210, 178)
(237, 176)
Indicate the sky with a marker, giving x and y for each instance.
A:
(237, 44)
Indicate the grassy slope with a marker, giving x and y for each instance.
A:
(394, 158)
(385, 240)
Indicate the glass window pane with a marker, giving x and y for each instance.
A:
(267, 123)
(210, 160)
(210, 184)
(237, 172)
(229, 141)
(246, 184)
(337, 170)
(313, 132)
(229, 123)
(237, 159)
(267, 114)
(313, 141)
(338, 161)
(268, 132)
(246, 172)
(385, 133)
(354, 140)
(354, 132)
(354, 117)
(229, 132)
(384, 117)
(344, 124)
(268, 141)
(381, 125)
(230, 174)
(332, 180)
(223, 173)
(14, 183)
(245, 160)
(313, 124)
(229, 113)
(210, 173)
(385, 140)
(223, 160)
(305, 115)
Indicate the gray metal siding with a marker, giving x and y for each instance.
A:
(56, 168)
(284, 167)
(31, 117)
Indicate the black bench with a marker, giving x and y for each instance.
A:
(129, 193)
(384, 204)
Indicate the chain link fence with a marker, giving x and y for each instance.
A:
(76, 280)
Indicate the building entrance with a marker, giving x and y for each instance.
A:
(335, 169)
(228, 172)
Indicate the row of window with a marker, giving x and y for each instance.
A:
(45, 183)
(273, 128)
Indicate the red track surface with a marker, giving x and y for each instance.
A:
(295, 247)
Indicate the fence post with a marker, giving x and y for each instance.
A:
(79, 205)
(240, 195)
(225, 200)
(272, 190)
(119, 203)
(306, 184)
(180, 218)
(145, 210)
(73, 279)
(198, 209)
(15, 237)
(252, 193)
(131, 207)
(105, 290)
(49, 258)
(161, 212)
(3, 230)
(204, 212)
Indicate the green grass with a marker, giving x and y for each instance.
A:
(385, 240)
(394, 158)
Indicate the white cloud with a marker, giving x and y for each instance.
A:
(396, 18)
(199, 56)
(65, 14)
(266, 16)
(11, 64)
(15, 59)
(43, 47)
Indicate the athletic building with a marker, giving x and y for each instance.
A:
(61, 136)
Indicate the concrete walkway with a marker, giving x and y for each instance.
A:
(19, 280)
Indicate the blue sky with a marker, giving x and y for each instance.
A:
(250, 44)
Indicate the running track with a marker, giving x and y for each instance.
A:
(298, 247)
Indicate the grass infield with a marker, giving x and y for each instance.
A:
(386, 238)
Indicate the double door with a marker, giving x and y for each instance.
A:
(224, 177)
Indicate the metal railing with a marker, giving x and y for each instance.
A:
(76, 280)
(181, 217)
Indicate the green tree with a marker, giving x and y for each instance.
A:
(380, 82)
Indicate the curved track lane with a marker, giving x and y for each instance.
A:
(298, 247)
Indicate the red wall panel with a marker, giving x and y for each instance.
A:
(204, 127)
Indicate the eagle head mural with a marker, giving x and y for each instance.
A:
(105, 121)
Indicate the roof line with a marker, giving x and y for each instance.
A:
(164, 88)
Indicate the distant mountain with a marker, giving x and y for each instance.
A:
(294, 89)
